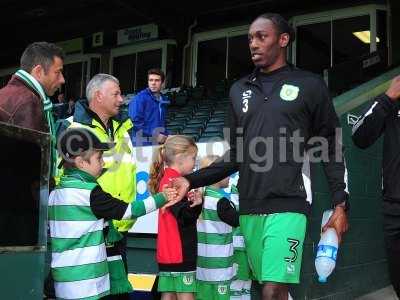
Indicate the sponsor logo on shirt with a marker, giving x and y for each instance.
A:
(289, 92)
(290, 268)
(352, 119)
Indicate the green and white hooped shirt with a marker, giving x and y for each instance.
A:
(79, 259)
(215, 244)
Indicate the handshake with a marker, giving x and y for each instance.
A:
(178, 189)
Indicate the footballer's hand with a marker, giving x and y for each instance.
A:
(181, 185)
(170, 194)
(338, 221)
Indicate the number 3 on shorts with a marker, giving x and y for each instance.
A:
(293, 248)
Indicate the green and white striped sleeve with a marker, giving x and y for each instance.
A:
(148, 205)
(103, 205)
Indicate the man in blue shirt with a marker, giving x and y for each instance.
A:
(148, 110)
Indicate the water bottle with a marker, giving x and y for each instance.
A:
(325, 261)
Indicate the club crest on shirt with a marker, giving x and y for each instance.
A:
(187, 279)
(289, 92)
(222, 289)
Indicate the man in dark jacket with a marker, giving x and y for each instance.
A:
(148, 110)
(24, 100)
(382, 117)
(278, 116)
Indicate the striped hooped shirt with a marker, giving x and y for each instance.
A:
(78, 211)
(215, 243)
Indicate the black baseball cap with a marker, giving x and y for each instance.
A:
(75, 141)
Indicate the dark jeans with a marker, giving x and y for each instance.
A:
(392, 243)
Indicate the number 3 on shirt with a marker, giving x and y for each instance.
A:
(245, 105)
(245, 98)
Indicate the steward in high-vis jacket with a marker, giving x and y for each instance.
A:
(119, 179)
(101, 114)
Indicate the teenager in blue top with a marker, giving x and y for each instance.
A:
(148, 110)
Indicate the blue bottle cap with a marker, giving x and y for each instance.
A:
(322, 279)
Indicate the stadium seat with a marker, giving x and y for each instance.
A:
(214, 135)
(207, 139)
(174, 130)
(219, 113)
(202, 114)
(196, 121)
(174, 123)
(191, 131)
(216, 123)
(195, 126)
(213, 129)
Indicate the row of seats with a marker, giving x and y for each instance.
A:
(203, 120)
(189, 114)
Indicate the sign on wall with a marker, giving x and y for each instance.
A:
(138, 33)
(71, 46)
(97, 39)
(143, 157)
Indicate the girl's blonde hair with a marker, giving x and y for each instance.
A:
(165, 155)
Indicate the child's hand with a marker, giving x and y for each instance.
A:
(171, 194)
(195, 197)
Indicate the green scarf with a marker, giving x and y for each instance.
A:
(47, 108)
(119, 283)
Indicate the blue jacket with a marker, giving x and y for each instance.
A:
(147, 113)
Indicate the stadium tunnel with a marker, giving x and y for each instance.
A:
(202, 47)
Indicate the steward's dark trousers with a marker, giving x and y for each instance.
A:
(392, 243)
